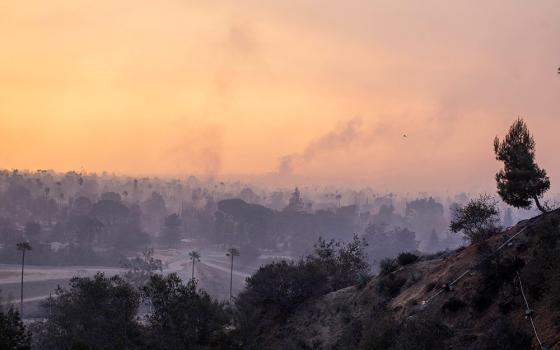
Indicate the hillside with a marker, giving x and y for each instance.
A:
(418, 306)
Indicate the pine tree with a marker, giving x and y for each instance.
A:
(521, 180)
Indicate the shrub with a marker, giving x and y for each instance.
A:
(390, 285)
(342, 264)
(407, 258)
(13, 334)
(388, 265)
(421, 332)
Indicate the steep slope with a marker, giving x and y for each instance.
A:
(470, 298)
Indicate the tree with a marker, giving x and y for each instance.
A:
(477, 220)
(13, 334)
(194, 256)
(23, 247)
(142, 268)
(183, 317)
(172, 230)
(232, 252)
(85, 228)
(277, 289)
(296, 202)
(521, 180)
(110, 212)
(94, 313)
(343, 264)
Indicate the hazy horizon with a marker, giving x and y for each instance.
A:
(277, 91)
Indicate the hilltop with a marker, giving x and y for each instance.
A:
(415, 307)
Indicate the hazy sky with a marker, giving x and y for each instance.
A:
(323, 89)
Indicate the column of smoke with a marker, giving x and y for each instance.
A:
(343, 136)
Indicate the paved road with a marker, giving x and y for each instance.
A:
(212, 272)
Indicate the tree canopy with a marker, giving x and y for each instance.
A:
(521, 180)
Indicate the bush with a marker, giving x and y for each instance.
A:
(407, 258)
(388, 265)
(390, 285)
(421, 332)
(13, 334)
(342, 264)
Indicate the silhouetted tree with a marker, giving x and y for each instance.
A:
(109, 212)
(13, 335)
(94, 313)
(172, 230)
(477, 220)
(521, 180)
(296, 202)
(183, 317)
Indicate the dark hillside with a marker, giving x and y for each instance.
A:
(470, 298)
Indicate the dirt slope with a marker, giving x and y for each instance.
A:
(338, 320)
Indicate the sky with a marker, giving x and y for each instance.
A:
(286, 90)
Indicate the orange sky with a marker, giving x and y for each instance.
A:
(231, 87)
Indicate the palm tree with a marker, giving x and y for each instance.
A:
(194, 256)
(231, 252)
(23, 246)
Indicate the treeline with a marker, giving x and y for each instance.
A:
(77, 219)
